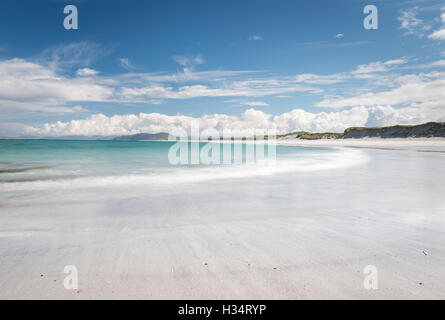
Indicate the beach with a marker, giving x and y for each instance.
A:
(304, 231)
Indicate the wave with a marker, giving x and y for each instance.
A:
(339, 158)
(22, 169)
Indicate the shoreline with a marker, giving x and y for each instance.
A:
(409, 144)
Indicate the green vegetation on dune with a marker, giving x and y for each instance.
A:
(304, 135)
(401, 126)
(426, 130)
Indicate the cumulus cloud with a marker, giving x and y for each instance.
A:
(295, 120)
(339, 35)
(100, 124)
(424, 88)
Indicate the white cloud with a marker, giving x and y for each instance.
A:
(423, 89)
(81, 54)
(187, 75)
(248, 88)
(80, 109)
(378, 66)
(411, 23)
(439, 63)
(425, 66)
(295, 120)
(85, 72)
(339, 35)
(254, 103)
(31, 87)
(310, 78)
(255, 37)
(299, 119)
(438, 35)
(395, 62)
(189, 60)
(370, 68)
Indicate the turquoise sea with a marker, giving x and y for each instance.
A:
(40, 164)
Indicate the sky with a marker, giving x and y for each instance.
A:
(154, 66)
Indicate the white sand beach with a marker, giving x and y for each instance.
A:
(290, 235)
(435, 144)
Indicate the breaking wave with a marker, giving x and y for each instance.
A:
(301, 162)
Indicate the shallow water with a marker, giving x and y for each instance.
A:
(35, 165)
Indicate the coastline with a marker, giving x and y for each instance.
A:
(413, 144)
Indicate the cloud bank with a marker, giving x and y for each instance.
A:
(295, 120)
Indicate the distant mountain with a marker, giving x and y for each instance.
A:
(143, 137)
(426, 130)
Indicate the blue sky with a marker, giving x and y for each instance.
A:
(135, 66)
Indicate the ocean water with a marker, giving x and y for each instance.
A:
(33, 165)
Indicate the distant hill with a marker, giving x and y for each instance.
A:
(426, 130)
(143, 137)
